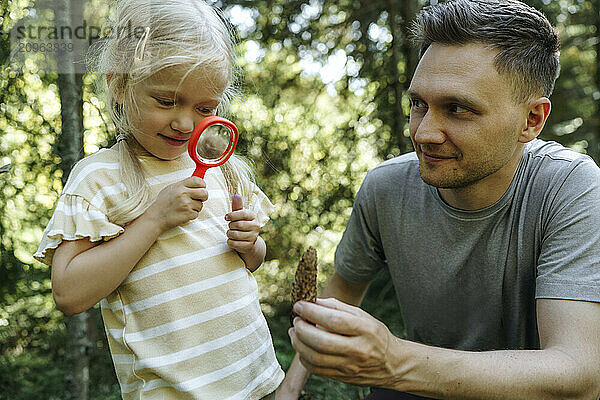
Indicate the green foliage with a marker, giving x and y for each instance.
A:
(31, 345)
(31, 375)
(575, 118)
(311, 135)
(32, 356)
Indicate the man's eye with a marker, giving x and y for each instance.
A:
(417, 104)
(455, 108)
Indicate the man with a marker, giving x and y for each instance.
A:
(491, 236)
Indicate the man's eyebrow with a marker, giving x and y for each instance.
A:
(413, 94)
(452, 98)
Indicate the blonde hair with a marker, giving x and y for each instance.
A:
(149, 36)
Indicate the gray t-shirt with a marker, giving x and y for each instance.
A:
(469, 279)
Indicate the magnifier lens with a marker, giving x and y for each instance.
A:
(213, 143)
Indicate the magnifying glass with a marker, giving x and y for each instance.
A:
(212, 143)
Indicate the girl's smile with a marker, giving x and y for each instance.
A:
(174, 142)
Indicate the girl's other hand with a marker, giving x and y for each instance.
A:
(243, 227)
(179, 203)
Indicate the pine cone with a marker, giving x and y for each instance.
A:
(305, 283)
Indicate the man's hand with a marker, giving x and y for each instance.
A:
(346, 344)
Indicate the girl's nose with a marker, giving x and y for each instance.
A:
(183, 124)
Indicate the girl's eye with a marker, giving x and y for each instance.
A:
(205, 110)
(166, 103)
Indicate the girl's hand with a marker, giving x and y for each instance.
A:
(243, 227)
(178, 203)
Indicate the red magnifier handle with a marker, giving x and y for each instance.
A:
(200, 171)
(202, 164)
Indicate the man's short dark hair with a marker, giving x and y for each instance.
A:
(528, 46)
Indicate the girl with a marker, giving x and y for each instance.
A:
(168, 255)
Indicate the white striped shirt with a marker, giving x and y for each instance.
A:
(186, 322)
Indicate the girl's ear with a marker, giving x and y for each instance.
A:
(109, 76)
(538, 112)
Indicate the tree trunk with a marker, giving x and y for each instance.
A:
(70, 145)
(597, 77)
(401, 16)
(411, 54)
(70, 150)
(399, 121)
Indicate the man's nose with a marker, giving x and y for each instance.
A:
(430, 129)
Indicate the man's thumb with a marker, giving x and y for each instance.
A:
(237, 202)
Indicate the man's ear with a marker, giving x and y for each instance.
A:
(538, 111)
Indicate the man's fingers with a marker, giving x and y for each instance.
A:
(322, 340)
(342, 374)
(337, 366)
(334, 303)
(316, 346)
(332, 319)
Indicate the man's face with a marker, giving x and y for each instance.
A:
(464, 121)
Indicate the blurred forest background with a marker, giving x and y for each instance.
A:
(324, 100)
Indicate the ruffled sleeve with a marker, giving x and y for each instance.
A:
(261, 205)
(74, 218)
